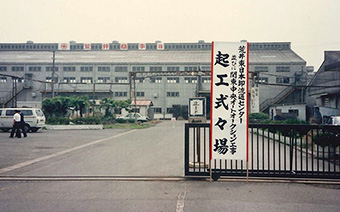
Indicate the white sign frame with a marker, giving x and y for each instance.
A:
(229, 121)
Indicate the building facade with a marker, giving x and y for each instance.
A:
(168, 74)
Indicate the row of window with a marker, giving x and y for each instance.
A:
(99, 46)
(105, 68)
(279, 80)
(278, 69)
(119, 80)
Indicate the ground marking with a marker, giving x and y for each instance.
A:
(30, 162)
(180, 199)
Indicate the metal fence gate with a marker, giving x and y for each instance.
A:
(293, 151)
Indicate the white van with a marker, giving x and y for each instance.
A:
(34, 118)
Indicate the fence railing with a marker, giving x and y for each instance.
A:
(275, 150)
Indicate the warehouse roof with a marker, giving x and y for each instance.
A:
(141, 57)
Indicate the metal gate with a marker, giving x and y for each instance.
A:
(275, 150)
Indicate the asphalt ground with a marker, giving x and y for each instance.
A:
(156, 151)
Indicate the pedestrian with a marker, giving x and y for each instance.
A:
(22, 124)
(16, 125)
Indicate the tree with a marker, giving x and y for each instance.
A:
(56, 106)
(79, 103)
(107, 104)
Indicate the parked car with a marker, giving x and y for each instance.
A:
(34, 118)
(334, 120)
(131, 116)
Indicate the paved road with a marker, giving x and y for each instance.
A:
(195, 196)
(156, 151)
(121, 152)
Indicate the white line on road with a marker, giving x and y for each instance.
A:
(30, 162)
(180, 199)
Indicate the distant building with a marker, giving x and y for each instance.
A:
(325, 85)
(103, 70)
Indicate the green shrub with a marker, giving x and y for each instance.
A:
(88, 120)
(131, 121)
(58, 120)
(121, 121)
(258, 116)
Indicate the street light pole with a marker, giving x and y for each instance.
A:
(53, 70)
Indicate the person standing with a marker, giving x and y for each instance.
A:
(16, 125)
(22, 124)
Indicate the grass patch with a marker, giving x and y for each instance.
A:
(131, 125)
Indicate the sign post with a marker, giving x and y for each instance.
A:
(229, 102)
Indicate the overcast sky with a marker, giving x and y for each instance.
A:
(312, 26)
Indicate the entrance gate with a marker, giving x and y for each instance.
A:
(275, 150)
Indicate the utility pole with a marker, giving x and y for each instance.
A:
(53, 70)
(134, 95)
(93, 98)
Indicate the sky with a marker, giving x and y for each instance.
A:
(312, 26)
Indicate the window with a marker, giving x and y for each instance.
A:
(173, 80)
(140, 94)
(120, 94)
(205, 68)
(121, 69)
(282, 80)
(190, 68)
(140, 80)
(17, 68)
(3, 79)
(69, 80)
(172, 94)
(49, 68)
(48, 79)
(261, 69)
(86, 79)
(169, 110)
(173, 68)
(156, 80)
(157, 109)
(3, 68)
(262, 80)
(10, 112)
(190, 79)
(34, 68)
(155, 68)
(27, 112)
(282, 69)
(86, 68)
(103, 79)
(138, 68)
(104, 68)
(69, 68)
(206, 80)
(121, 80)
(19, 80)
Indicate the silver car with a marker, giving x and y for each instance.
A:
(131, 116)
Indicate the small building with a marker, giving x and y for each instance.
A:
(144, 107)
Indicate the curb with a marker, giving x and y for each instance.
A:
(74, 127)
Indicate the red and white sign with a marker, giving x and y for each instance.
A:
(142, 46)
(63, 46)
(123, 46)
(229, 101)
(105, 46)
(160, 46)
(87, 46)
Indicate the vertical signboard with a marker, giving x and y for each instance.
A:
(254, 100)
(197, 107)
(229, 101)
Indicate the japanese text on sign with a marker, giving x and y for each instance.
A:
(229, 100)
